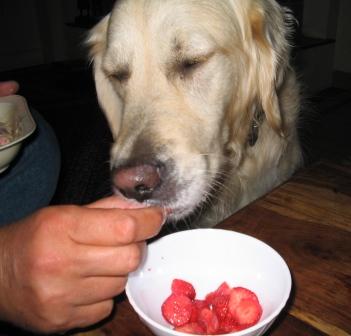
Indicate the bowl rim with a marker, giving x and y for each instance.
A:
(265, 322)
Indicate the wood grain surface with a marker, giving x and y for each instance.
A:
(308, 221)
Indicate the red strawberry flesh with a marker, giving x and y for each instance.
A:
(177, 309)
(224, 310)
(183, 287)
(210, 320)
(191, 328)
(220, 305)
(197, 307)
(247, 312)
(239, 293)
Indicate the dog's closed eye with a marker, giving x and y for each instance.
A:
(187, 66)
(190, 64)
(121, 75)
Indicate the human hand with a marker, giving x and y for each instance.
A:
(8, 88)
(61, 267)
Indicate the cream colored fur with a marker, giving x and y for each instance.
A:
(189, 77)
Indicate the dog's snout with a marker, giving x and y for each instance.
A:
(137, 182)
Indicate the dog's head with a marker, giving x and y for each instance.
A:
(180, 83)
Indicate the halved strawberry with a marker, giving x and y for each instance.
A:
(244, 306)
(192, 328)
(197, 307)
(177, 309)
(247, 312)
(209, 319)
(239, 293)
(183, 287)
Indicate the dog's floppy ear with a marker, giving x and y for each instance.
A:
(261, 59)
(108, 99)
(268, 55)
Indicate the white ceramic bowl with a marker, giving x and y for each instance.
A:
(14, 111)
(206, 258)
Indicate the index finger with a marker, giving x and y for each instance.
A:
(116, 227)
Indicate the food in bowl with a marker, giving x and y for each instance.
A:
(206, 258)
(222, 311)
(16, 124)
(5, 137)
(8, 132)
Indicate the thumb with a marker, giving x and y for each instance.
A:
(8, 88)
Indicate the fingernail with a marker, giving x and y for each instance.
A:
(165, 213)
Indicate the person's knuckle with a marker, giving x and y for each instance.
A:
(48, 215)
(134, 257)
(50, 230)
(50, 263)
(107, 309)
(51, 220)
(128, 229)
(121, 284)
(54, 326)
(52, 320)
(95, 314)
(49, 298)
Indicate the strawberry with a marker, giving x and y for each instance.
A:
(224, 310)
(210, 320)
(177, 309)
(197, 306)
(247, 312)
(228, 325)
(220, 306)
(183, 287)
(239, 293)
(244, 306)
(192, 328)
(223, 289)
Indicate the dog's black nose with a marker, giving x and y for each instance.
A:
(137, 182)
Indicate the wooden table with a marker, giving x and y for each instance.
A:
(308, 221)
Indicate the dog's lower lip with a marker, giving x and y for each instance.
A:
(167, 209)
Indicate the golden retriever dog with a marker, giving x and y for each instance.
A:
(201, 100)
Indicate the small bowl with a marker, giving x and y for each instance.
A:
(206, 258)
(14, 112)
